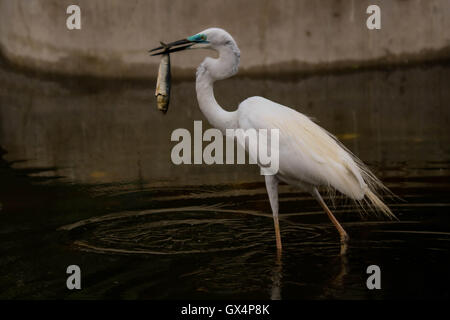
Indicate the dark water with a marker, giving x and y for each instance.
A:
(86, 179)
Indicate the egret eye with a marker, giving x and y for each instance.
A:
(203, 37)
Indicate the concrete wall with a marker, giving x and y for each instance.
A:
(274, 35)
(397, 121)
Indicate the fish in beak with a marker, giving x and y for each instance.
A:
(162, 91)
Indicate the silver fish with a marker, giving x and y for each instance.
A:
(162, 92)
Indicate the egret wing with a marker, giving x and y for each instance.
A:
(308, 153)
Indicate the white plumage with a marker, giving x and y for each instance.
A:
(310, 157)
(308, 154)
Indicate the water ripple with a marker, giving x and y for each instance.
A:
(185, 230)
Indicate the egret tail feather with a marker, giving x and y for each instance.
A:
(374, 187)
(376, 203)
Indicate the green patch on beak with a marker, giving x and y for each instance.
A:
(198, 38)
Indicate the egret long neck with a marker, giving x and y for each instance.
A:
(217, 117)
(208, 72)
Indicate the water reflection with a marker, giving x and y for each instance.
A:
(275, 293)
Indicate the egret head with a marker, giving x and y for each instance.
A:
(212, 38)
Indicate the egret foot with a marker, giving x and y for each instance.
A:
(344, 236)
(344, 247)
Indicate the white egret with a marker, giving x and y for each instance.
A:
(309, 156)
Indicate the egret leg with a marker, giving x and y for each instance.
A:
(272, 191)
(342, 233)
